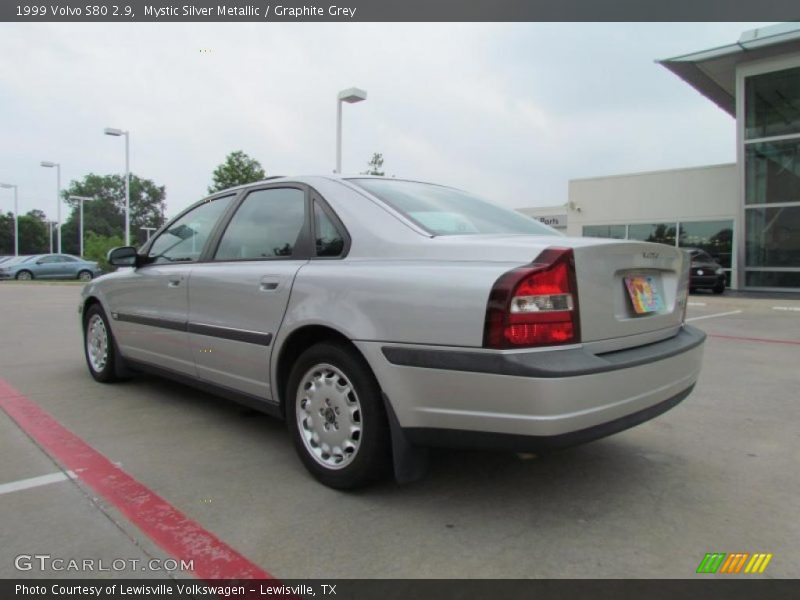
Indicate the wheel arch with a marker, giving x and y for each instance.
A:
(294, 345)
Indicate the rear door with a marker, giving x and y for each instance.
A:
(68, 267)
(238, 298)
(150, 307)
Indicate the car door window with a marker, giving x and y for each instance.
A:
(328, 239)
(47, 260)
(266, 225)
(184, 239)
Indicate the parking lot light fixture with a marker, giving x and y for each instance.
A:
(8, 186)
(116, 133)
(49, 164)
(82, 200)
(351, 96)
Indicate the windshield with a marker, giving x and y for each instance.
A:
(447, 211)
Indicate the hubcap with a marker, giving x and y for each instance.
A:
(329, 416)
(85, 276)
(97, 343)
(24, 275)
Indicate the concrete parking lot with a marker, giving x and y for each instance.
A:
(716, 474)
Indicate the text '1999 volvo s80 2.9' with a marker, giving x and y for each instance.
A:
(380, 317)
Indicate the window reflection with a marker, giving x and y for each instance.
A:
(661, 233)
(772, 171)
(771, 104)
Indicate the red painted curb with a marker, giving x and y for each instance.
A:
(753, 339)
(174, 532)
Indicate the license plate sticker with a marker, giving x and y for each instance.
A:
(644, 294)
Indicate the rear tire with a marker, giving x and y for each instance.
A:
(99, 346)
(336, 416)
(24, 276)
(85, 276)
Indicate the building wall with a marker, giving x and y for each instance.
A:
(683, 202)
(681, 194)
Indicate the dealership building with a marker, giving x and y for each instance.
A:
(746, 213)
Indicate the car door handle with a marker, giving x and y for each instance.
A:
(269, 284)
(174, 281)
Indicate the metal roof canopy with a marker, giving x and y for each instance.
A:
(713, 72)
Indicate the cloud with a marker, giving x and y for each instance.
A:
(510, 111)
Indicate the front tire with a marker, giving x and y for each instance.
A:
(99, 346)
(336, 416)
(719, 288)
(24, 276)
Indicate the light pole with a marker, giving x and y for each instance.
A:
(16, 216)
(47, 163)
(148, 230)
(351, 96)
(117, 133)
(82, 199)
(50, 224)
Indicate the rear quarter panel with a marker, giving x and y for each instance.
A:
(403, 301)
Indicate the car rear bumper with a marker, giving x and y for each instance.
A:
(706, 281)
(530, 399)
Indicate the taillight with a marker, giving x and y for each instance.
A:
(535, 305)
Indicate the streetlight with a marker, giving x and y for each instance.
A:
(8, 186)
(351, 96)
(117, 133)
(47, 163)
(82, 199)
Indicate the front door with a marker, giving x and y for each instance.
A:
(149, 309)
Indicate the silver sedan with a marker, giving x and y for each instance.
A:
(380, 317)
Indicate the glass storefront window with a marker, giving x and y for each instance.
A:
(776, 279)
(773, 237)
(715, 237)
(616, 232)
(772, 172)
(771, 104)
(662, 233)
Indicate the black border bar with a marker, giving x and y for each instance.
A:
(405, 11)
(707, 587)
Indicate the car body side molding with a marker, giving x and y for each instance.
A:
(227, 333)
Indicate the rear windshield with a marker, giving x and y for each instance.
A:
(446, 211)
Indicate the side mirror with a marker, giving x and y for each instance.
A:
(124, 256)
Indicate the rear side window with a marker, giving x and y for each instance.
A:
(184, 239)
(328, 238)
(266, 225)
(447, 211)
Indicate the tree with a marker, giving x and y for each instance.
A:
(375, 165)
(6, 234)
(237, 169)
(34, 233)
(96, 248)
(105, 214)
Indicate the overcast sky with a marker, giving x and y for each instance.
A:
(511, 111)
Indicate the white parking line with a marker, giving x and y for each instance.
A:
(794, 308)
(696, 303)
(24, 484)
(725, 314)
